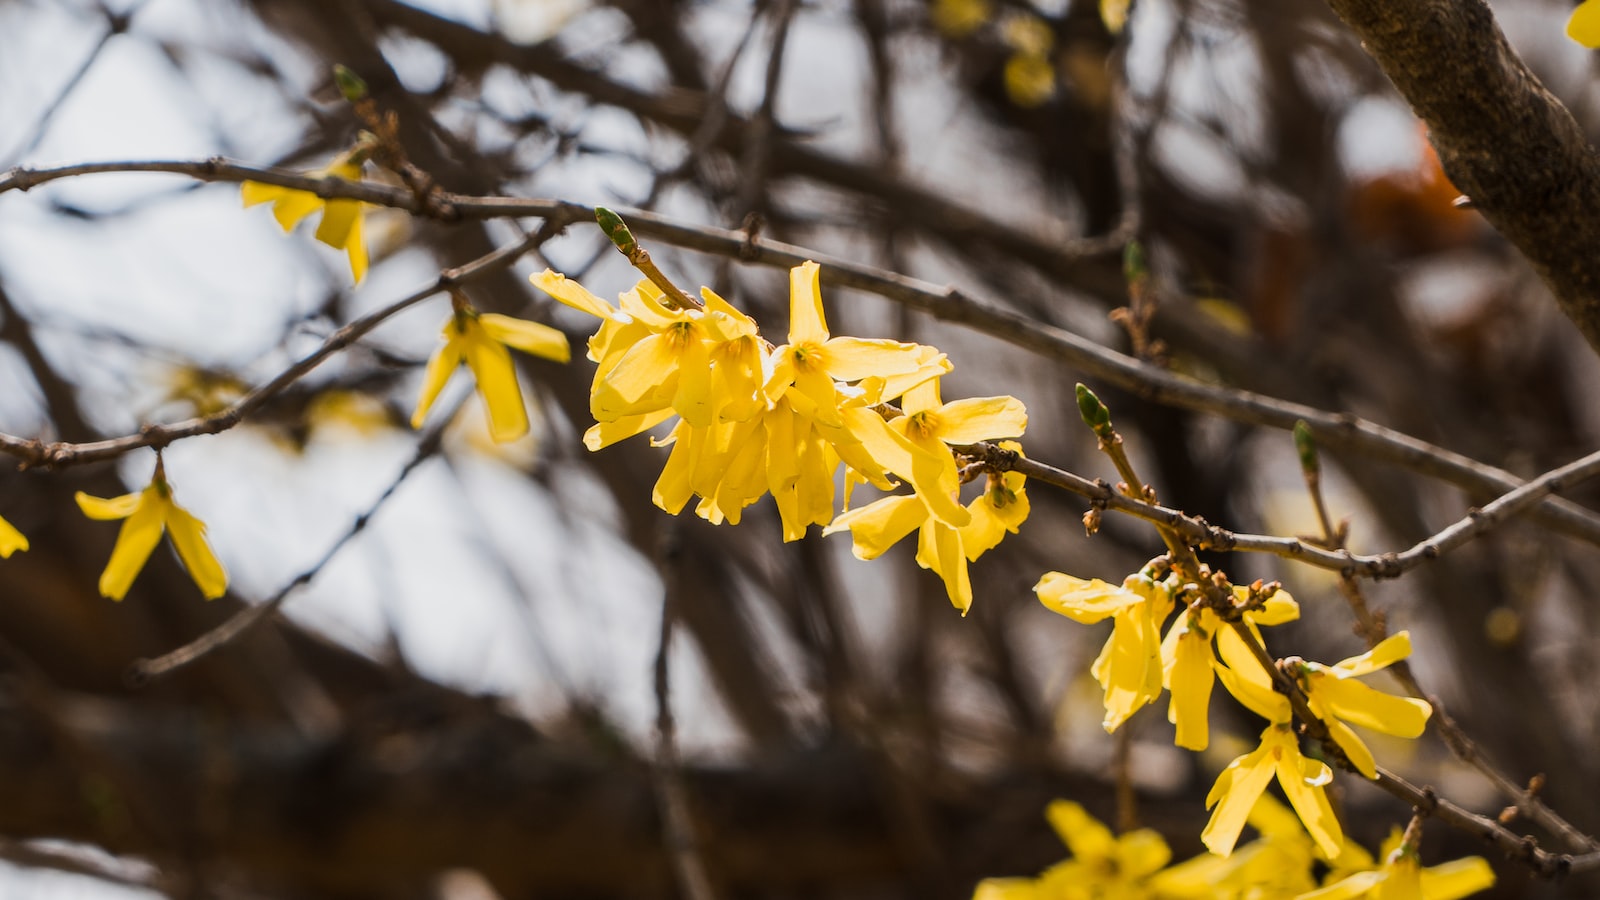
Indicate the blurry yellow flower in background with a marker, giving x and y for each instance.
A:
(1584, 24)
(1101, 865)
(480, 340)
(147, 514)
(340, 227)
(11, 540)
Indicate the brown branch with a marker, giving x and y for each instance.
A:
(1503, 139)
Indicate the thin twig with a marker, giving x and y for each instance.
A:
(1197, 532)
(1336, 431)
(59, 454)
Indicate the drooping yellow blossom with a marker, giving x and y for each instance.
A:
(1303, 781)
(480, 340)
(1129, 666)
(146, 514)
(1101, 865)
(11, 540)
(340, 226)
(1401, 877)
(1584, 24)
(929, 426)
(1187, 659)
(1336, 697)
(945, 550)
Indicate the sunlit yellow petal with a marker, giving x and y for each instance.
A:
(876, 527)
(675, 486)
(356, 249)
(645, 366)
(1389, 651)
(254, 192)
(1191, 681)
(939, 549)
(982, 419)
(693, 399)
(491, 365)
(1302, 781)
(139, 535)
(441, 366)
(189, 538)
(1371, 708)
(1082, 601)
(1142, 852)
(1354, 748)
(1233, 794)
(534, 338)
(604, 434)
(996, 512)
(572, 294)
(806, 322)
(1258, 698)
(11, 540)
(114, 508)
(851, 359)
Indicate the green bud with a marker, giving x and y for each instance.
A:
(616, 230)
(1095, 415)
(350, 84)
(1133, 264)
(1306, 446)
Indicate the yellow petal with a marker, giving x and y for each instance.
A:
(189, 538)
(1087, 837)
(933, 474)
(1354, 748)
(1234, 794)
(339, 218)
(647, 365)
(1457, 878)
(879, 525)
(440, 367)
(139, 535)
(1302, 781)
(254, 192)
(604, 434)
(806, 322)
(1391, 650)
(1356, 885)
(1082, 601)
(1281, 607)
(693, 399)
(294, 206)
(11, 540)
(356, 249)
(1371, 708)
(530, 337)
(491, 365)
(939, 549)
(1584, 25)
(992, 519)
(1191, 679)
(1259, 698)
(114, 508)
(1142, 852)
(675, 486)
(982, 419)
(851, 359)
(572, 294)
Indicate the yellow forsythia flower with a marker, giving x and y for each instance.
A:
(1336, 696)
(959, 18)
(1129, 666)
(1303, 781)
(1401, 877)
(1584, 25)
(1101, 865)
(480, 340)
(929, 425)
(340, 227)
(146, 515)
(11, 540)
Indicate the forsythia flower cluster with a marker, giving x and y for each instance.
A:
(755, 419)
(1200, 649)
(1278, 864)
